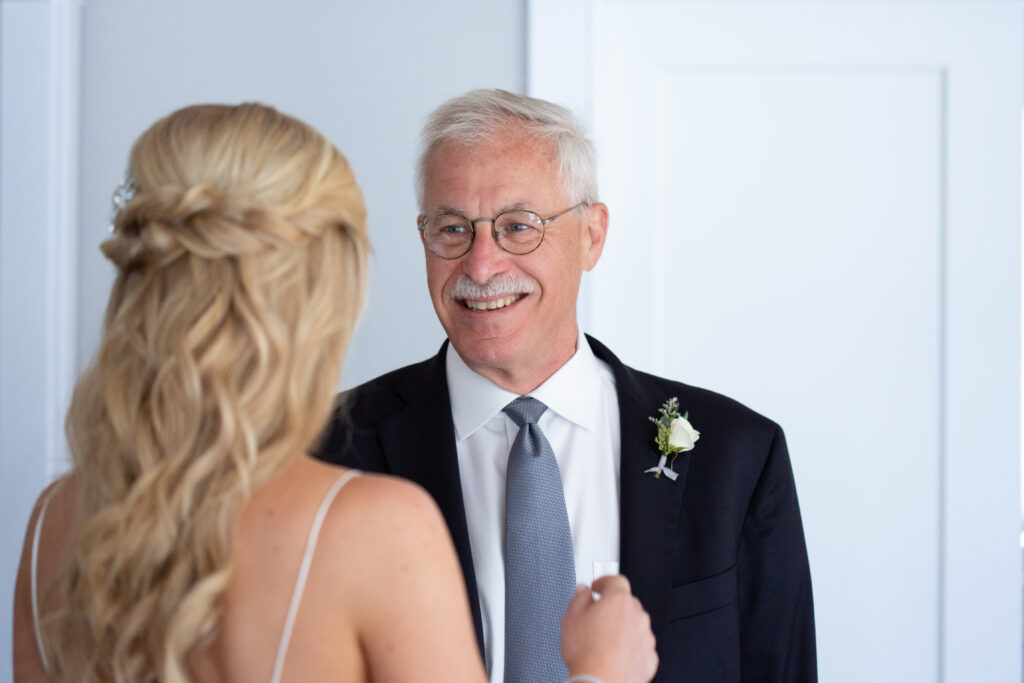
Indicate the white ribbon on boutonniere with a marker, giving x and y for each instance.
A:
(662, 469)
(675, 435)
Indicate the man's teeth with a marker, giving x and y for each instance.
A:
(491, 305)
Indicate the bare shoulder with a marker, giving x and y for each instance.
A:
(384, 517)
(59, 498)
(383, 540)
(57, 495)
(391, 559)
(389, 498)
(24, 569)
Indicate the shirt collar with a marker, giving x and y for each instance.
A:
(573, 391)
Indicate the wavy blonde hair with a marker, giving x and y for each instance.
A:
(241, 266)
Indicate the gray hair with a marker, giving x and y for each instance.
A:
(469, 118)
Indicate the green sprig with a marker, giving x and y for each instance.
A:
(668, 412)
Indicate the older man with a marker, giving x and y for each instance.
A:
(537, 442)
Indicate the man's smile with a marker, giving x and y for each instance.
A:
(480, 305)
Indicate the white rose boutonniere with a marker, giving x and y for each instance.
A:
(675, 435)
(682, 434)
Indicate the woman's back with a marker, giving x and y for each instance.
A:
(380, 591)
(273, 532)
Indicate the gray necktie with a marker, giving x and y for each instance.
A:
(540, 575)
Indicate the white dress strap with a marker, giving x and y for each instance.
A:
(300, 581)
(33, 579)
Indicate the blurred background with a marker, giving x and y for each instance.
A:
(815, 209)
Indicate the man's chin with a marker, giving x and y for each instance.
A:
(484, 353)
(488, 334)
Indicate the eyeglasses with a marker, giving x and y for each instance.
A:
(518, 231)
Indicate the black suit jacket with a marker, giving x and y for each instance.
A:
(717, 557)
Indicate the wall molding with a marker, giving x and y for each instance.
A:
(62, 229)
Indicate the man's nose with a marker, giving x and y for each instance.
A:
(485, 258)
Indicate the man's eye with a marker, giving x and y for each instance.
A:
(452, 229)
(517, 227)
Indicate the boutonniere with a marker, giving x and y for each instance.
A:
(675, 435)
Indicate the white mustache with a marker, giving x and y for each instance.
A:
(502, 284)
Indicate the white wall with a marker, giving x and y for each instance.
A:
(364, 73)
(38, 184)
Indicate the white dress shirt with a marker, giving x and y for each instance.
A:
(582, 425)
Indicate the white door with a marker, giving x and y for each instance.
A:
(815, 208)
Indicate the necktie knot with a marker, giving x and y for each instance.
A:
(525, 410)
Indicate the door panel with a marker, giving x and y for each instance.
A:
(815, 209)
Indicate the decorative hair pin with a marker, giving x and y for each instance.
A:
(122, 195)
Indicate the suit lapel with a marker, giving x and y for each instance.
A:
(649, 508)
(419, 444)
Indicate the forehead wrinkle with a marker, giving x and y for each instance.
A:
(517, 206)
(445, 209)
(514, 206)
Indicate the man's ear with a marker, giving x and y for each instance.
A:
(594, 233)
(419, 221)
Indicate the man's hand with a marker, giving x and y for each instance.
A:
(611, 637)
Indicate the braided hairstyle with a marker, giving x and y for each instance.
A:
(241, 270)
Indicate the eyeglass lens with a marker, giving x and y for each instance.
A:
(518, 232)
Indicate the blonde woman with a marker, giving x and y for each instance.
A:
(194, 539)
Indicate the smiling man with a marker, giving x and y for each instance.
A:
(505, 285)
(536, 441)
